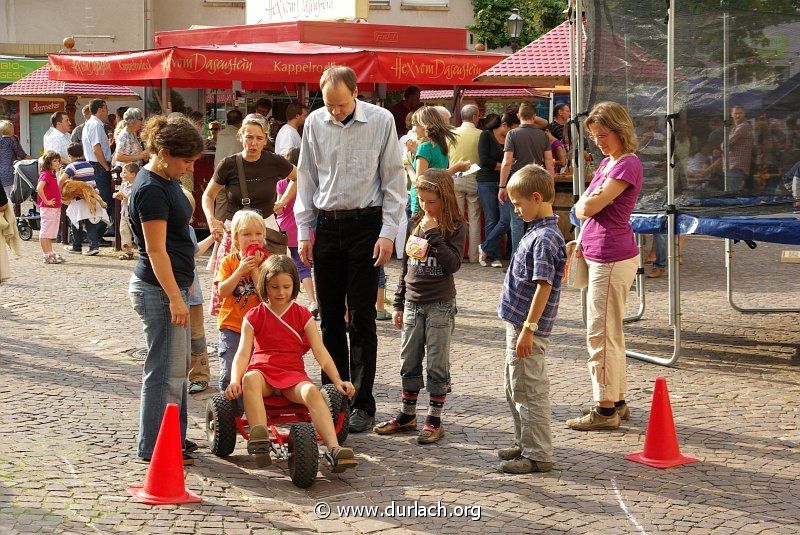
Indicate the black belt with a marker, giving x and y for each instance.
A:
(350, 214)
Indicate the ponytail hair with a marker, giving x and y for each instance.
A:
(438, 131)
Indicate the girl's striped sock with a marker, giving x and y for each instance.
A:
(409, 410)
(435, 409)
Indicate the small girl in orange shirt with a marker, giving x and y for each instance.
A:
(236, 286)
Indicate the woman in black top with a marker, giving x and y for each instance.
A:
(490, 151)
(159, 217)
(262, 171)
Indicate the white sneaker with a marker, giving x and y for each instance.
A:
(497, 264)
(314, 309)
(482, 258)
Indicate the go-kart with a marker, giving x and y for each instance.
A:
(300, 445)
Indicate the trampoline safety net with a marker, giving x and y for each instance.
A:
(737, 90)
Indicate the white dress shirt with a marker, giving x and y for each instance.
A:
(94, 133)
(288, 138)
(57, 141)
(345, 167)
(228, 144)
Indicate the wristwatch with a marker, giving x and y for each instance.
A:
(533, 326)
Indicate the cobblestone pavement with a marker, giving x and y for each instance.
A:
(70, 403)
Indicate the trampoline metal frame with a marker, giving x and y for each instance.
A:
(729, 287)
(673, 265)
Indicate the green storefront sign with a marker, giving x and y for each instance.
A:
(12, 69)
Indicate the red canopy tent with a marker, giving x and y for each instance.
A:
(263, 56)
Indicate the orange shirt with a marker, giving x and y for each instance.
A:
(243, 298)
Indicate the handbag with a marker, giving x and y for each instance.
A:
(576, 270)
(276, 241)
(417, 246)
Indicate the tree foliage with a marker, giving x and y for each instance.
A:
(539, 16)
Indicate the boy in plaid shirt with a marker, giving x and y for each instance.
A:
(528, 305)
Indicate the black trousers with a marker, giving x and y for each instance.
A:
(344, 272)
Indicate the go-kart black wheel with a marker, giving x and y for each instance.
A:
(221, 425)
(337, 403)
(25, 230)
(303, 455)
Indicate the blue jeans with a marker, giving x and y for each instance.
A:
(166, 365)
(517, 226)
(228, 344)
(660, 248)
(90, 229)
(427, 329)
(496, 224)
(736, 180)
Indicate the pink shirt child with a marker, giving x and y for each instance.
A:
(51, 189)
(286, 218)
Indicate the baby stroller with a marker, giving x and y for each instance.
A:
(26, 177)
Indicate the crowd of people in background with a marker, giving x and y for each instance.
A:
(350, 184)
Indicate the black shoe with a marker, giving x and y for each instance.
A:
(70, 250)
(105, 243)
(360, 421)
(189, 446)
(188, 459)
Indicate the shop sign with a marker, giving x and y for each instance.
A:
(263, 11)
(45, 106)
(12, 69)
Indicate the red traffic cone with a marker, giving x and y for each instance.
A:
(164, 483)
(661, 448)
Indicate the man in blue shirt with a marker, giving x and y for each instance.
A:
(97, 151)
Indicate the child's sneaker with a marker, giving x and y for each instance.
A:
(314, 309)
(393, 426)
(259, 445)
(430, 434)
(509, 454)
(523, 465)
(340, 459)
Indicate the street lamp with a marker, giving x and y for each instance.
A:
(514, 26)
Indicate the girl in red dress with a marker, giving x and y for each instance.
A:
(278, 332)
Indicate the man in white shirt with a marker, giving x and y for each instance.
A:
(289, 135)
(228, 144)
(466, 148)
(97, 151)
(351, 187)
(58, 138)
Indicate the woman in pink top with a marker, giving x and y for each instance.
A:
(610, 250)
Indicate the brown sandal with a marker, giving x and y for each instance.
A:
(392, 426)
(340, 459)
(429, 435)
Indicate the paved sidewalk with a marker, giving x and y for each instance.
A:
(70, 395)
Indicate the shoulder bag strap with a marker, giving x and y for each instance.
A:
(242, 182)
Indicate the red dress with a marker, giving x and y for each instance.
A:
(279, 344)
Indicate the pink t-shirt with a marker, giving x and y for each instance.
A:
(607, 236)
(286, 217)
(51, 189)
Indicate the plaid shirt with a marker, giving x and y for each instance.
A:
(541, 256)
(740, 147)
